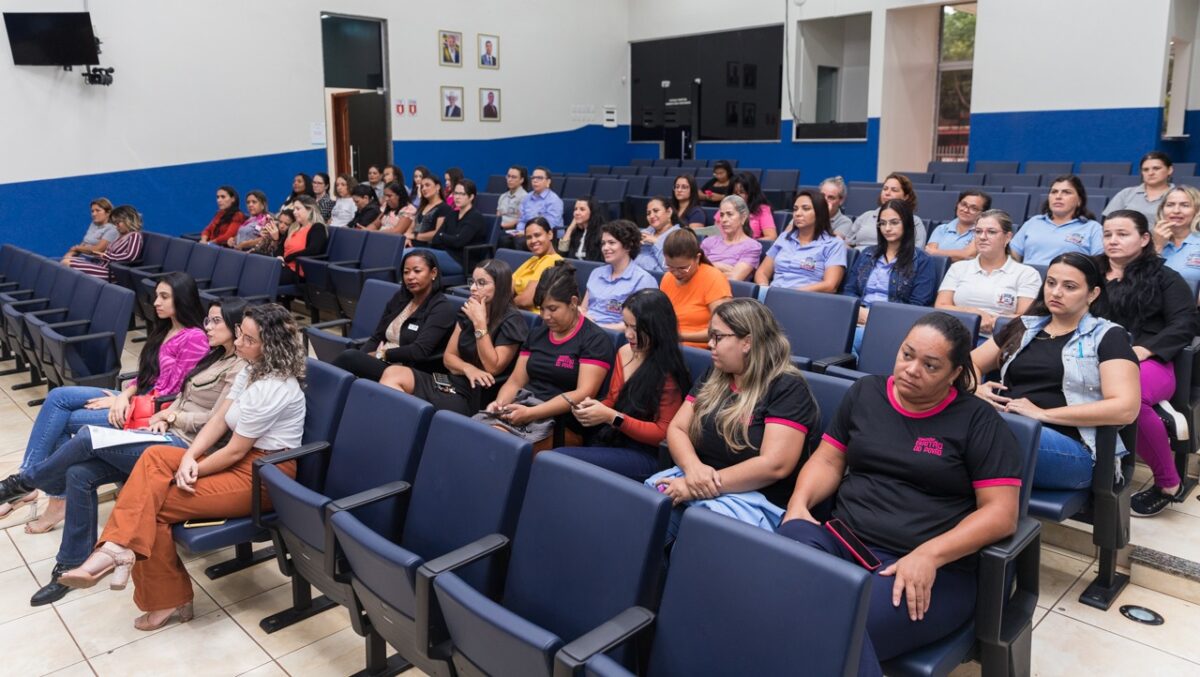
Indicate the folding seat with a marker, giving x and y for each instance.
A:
(660, 185)
(651, 171)
(1120, 181)
(23, 282)
(610, 194)
(154, 248)
(935, 167)
(598, 169)
(920, 177)
(1015, 204)
(87, 352)
(986, 167)
(487, 203)
(497, 183)
(345, 247)
(799, 313)
(779, 185)
(667, 162)
(9, 256)
(693, 163)
(379, 440)
(325, 392)
(937, 207)
(1104, 168)
(583, 270)
(175, 258)
(928, 187)
(369, 311)
(15, 331)
(200, 265)
(381, 259)
(642, 162)
(1056, 168)
(755, 172)
(80, 306)
(782, 218)
(1008, 180)
(860, 200)
(698, 361)
(959, 179)
(1096, 203)
(743, 289)
(1088, 180)
(1183, 170)
(635, 185)
(710, 215)
(469, 485)
(588, 545)
(624, 170)
(575, 188)
(758, 589)
(886, 327)
(258, 283)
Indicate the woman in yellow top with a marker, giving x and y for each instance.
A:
(694, 286)
(539, 238)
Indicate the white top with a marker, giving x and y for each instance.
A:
(343, 212)
(996, 292)
(269, 411)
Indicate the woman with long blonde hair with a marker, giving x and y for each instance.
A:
(738, 439)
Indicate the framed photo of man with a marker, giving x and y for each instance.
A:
(450, 48)
(489, 105)
(489, 51)
(452, 100)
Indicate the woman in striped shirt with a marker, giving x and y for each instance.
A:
(127, 248)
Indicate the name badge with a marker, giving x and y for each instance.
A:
(413, 327)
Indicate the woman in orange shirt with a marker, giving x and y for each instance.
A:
(694, 286)
(224, 226)
(648, 381)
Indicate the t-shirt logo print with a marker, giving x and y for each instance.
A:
(1074, 238)
(565, 361)
(928, 445)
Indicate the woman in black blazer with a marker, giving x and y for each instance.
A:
(415, 326)
(462, 229)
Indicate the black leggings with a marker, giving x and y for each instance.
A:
(362, 365)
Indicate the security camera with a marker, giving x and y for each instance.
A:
(98, 76)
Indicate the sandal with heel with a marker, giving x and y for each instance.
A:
(107, 559)
(183, 612)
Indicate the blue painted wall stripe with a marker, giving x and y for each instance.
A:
(1108, 135)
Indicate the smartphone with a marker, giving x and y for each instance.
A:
(847, 538)
(442, 383)
(192, 524)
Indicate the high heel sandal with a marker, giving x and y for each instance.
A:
(13, 506)
(119, 562)
(184, 612)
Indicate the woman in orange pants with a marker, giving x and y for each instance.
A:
(263, 413)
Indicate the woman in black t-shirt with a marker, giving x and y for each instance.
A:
(562, 363)
(1156, 306)
(368, 213)
(483, 347)
(1066, 368)
(432, 212)
(925, 476)
(715, 189)
(414, 327)
(461, 229)
(742, 430)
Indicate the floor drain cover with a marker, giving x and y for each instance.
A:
(1141, 614)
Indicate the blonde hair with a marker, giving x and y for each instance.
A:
(769, 358)
(1193, 196)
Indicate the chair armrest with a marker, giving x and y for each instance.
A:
(20, 293)
(220, 290)
(49, 311)
(84, 338)
(69, 323)
(1001, 609)
(349, 503)
(255, 299)
(470, 249)
(7, 285)
(570, 659)
(127, 376)
(344, 322)
(363, 272)
(428, 613)
(272, 459)
(843, 360)
(27, 302)
(147, 269)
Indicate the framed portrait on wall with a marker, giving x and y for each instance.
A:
(489, 105)
(450, 48)
(489, 51)
(452, 100)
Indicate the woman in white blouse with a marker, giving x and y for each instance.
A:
(344, 207)
(264, 413)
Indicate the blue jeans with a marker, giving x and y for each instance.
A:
(1062, 462)
(857, 344)
(634, 464)
(62, 416)
(76, 470)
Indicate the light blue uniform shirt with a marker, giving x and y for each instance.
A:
(1039, 240)
(878, 282)
(1184, 259)
(799, 265)
(651, 257)
(606, 295)
(546, 205)
(947, 237)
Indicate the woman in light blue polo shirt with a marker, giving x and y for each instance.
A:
(1177, 232)
(662, 222)
(1065, 225)
(609, 285)
(807, 256)
(956, 239)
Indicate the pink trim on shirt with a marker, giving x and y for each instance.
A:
(789, 423)
(998, 482)
(568, 337)
(836, 445)
(690, 398)
(596, 363)
(918, 414)
(525, 353)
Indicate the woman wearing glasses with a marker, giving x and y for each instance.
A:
(956, 239)
(694, 286)
(463, 228)
(895, 270)
(991, 285)
(738, 439)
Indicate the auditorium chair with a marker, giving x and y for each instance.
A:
(994, 167)
(87, 352)
(345, 247)
(943, 167)
(381, 257)
(15, 331)
(1104, 168)
(798, 312)
(154, 248)
(887, 325)
(355, 332)
(258, 283)
(1055, 168)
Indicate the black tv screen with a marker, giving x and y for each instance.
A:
(51, 39)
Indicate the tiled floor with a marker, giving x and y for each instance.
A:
(91, 632)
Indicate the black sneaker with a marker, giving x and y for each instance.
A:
(1152, 501)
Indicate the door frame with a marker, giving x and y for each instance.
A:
(341, 132)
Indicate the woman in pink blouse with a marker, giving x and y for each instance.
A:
(127, 248)
(762, 219)
(175, 342)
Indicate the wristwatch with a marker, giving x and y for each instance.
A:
(618, 421)
(171, 418)
(479, 333)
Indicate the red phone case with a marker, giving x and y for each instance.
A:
(854, 552)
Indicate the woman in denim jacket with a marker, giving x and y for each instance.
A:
(1067, 368)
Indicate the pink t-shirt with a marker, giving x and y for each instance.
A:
(761, 220)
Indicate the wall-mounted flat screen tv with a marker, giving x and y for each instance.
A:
(51, 38)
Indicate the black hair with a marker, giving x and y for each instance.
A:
(821, 210)
(524, 176)
(502, 300)
(424, 171)
(961, 345)
(1156, 155)
(307, 188)
(1080, 190)
(591, 234)
(658, 337)
(468, 187)
(693, 194)
(328, 184)
(456, 175)
(232, 308)
(674, 215)
(908, 238)
(365, 190)
(755, 199)
(1009, 338)
(975, 192)
(541, 222)
(188, 314)
(724, 164)
(397, 173)
(549, 176)
(399, 189)
(1137, 297)
(558, 283)
(437, 184)
(626, 232)
(431, 261)
(228, 214)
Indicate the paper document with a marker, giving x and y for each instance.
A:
(103, 438)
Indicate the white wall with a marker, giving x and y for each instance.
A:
(219, 79)
(843, 43)
(856, 67)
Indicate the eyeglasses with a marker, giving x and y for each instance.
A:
(513, 177)
(459, 193)
(681, 269)
(540, 178)
(714, 337)
(245, 338)
(211, 322)
(892, 222)
(990, 232)
(969, 208)
(478, 283)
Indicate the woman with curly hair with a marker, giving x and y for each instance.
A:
(263, 413)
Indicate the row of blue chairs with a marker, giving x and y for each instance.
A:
(1182, 169)
(1023, 182)
(60, 325)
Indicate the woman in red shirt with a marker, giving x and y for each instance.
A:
(224, 226)
(648, 381)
